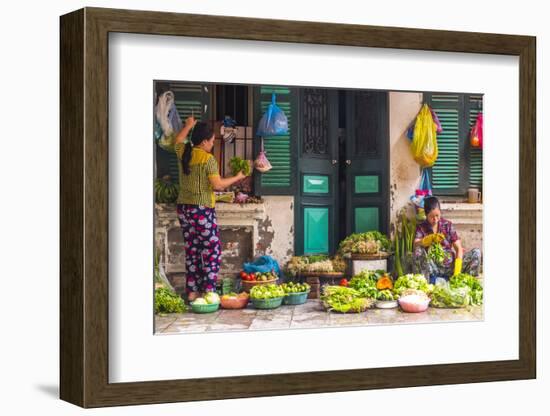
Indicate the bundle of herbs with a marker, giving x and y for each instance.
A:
(344, 299)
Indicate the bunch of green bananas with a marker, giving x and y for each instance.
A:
(165, 190)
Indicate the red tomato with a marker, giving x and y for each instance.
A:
(251, 276)
(344, 282)
(243, 275)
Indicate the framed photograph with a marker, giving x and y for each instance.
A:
(256, 207)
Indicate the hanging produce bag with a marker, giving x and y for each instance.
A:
(262, 164)
(273, 122)
(168, 119)
(476, 132)
(424, 190)
(424, 144)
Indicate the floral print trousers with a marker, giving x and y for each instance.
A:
(471, 263)
(202, 245)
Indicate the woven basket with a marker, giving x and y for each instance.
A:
(267, 303)
(296, 298)
(379, 256)
(208, 308)
(246, 285)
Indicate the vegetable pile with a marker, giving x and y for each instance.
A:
(239, 165)
(292, 287)
(461, 290)
(386, 294)
(344, 299)
(167, 301)
(370, 242)
(258, 277)
(365, 284)
(319, 263)
(412, 281)
(269, 291)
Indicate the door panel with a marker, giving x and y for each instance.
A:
(367, 161)
(316, 200)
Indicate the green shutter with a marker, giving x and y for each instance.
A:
(190, 99)
(446, 170)
(476, 154)
(279, 149)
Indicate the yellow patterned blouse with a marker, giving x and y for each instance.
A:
(195, 188)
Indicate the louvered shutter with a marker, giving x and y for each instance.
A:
(446, 170)
(476, 154)
(190, 99)
(280, 150)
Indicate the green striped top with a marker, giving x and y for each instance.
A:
(195, 188)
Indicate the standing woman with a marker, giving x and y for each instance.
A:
(199, 177)
(436, 229)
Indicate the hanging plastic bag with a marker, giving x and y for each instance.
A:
(476, 132)
(436, 121)
(167, 117)
(424, 190)
(424, 144)
(273, 122)
(261, 163)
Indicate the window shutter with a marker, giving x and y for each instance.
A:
(446, 170)
(190, 99)
(280, 150)
(476, 155)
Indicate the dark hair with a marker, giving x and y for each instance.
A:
(201, 132)
(431, 203)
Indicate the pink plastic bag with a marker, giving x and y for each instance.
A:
(261, 163)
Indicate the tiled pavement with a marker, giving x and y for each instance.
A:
(309, 315)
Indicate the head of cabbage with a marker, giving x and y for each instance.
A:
(200, 301)
(212, 297)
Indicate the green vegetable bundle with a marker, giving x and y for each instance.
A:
(365, 284)
(436, 253)
(444, 296)
(412, 281)
(344, 299)
(239, 165)
(386, 294)
(166, 301)
(467, 280)
(269, 291)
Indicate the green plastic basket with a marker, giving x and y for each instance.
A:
(296, 298)
(208, 308)
(267, 303)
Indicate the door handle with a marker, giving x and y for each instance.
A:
(334, 162)
(348, 162)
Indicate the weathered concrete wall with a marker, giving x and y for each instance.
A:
(277, 230)
(404, 171)
(246, 231)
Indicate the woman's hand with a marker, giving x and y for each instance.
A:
(190, 122)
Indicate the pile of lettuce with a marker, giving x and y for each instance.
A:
(365, 283)
(462, 290)
(412, 281)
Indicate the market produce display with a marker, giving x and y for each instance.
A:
(292, 287)
(209, 298)
(319, 263)
(269, 291)
(167, 301)
(461, 290)
(165, 190)
(412, 281)
(239, 165)
(386, 294)
(365, 284)
(370, 242)
(258, 277)
(344, 299)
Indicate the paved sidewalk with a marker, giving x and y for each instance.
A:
(309, 315)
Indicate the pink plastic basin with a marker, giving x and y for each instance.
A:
(414, 303)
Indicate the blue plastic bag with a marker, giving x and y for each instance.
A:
(263, 264)
(273, 122)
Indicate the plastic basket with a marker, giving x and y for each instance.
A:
(208, 308)
(296, 298)
(249, 284)
(267, 303)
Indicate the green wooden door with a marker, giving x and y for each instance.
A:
(316, 203)
(367, 161)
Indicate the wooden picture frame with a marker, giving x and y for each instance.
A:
(84, 207)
